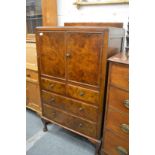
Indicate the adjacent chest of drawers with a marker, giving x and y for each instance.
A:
(32, 83)
(72, 70)
(116, 126)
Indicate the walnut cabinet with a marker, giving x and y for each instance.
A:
(72, 73)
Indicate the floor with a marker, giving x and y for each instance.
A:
(56, 141)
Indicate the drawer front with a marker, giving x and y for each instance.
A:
(83, 94)
(118, 122)
(118, 99)
(32, 75)
(69, 121)
(114, 145)
(69, 105)
(120, 76)
(53, 86)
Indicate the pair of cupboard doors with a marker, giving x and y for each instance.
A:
(70, 56)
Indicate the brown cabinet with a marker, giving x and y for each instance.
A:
(116, 126)
(72, 70)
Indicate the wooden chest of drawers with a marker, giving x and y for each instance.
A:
(32, 82)
(116, 126)
(72, 71)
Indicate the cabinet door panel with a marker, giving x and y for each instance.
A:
(83, 57)
(52, 53)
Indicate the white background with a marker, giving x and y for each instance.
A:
(13, 65)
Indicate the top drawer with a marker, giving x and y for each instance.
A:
(84, 94)
(54, 86)
(120, 76)
(31, 75)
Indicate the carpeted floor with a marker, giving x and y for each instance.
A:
(57, 141)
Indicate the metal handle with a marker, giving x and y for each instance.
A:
(121, 150)
(54, 114)
(28, 75)
(68, 54)
(80, 109)
(51, 85)
(80, 125)
(52, 100)
(125, 128)
(126, 103)
(82, 93)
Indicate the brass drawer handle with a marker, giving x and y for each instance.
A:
(121, 150)
(51, 85)
(81, 109)
(53, 114)
(80, 125)
(126, 103)
(28, 75)
(52, 100)
(82, 93)
(68, 55)
(125, 128)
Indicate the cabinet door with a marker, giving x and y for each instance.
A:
(83, 57)
(52, 53)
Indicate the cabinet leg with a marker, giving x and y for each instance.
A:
(97, 146)
(45, 125)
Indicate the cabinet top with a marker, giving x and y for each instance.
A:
(74, 28)
(120, 58)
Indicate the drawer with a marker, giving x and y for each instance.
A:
(120, 76)
(54, 86)
(69, 105)
(118, 99)
(83, 94)
(118, 122)
(69, 121)
(31, 75)
(114, 145)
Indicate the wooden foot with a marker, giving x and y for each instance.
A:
(97, 146)
(45, 125)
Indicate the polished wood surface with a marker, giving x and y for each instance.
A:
(84, 94)
(119, 25)
(116, 120)
(74, 60)
(53, 86)
(80, 109)
(120, 76)
(117, 98)
(115, 139)
(83, 53)
(113, 142)
(52, 53)
(66, 119)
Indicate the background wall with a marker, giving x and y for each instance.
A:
(67, 12)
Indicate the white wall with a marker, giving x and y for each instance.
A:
(67, 12)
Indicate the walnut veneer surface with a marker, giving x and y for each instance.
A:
(116, 125)
(72, 73)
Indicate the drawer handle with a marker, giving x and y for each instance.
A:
(82, 93)
(52, 100)
(80, 109)
(51, 85)
(80, 125)
(121, 150)
(126, 103)
(68, 55)
(28, 75)
(53, 114)
(125, 128)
